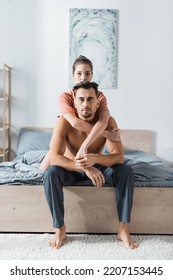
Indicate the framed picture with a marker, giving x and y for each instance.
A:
(93, 33)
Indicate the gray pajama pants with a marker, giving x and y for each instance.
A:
(120, 176)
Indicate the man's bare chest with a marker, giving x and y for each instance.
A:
(75, 138)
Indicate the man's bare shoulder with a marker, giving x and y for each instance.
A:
(112, 123)
(61, 129)
(61, 125)
(61, 121)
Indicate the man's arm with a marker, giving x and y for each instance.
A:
(115, 156)
(115, 148)
(57, 149)
(58, 146)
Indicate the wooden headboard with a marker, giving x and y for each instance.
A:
(134, 139)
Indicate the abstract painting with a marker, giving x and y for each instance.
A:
(93, 33)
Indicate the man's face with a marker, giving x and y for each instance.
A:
(86, 103)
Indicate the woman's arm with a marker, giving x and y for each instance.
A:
(77, 123)
(97, 130)
(94, 131)
(115, 155)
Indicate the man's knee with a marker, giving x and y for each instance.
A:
(123, 169)
(123, 174)
(52, 171)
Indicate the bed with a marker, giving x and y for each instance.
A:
(88, 209)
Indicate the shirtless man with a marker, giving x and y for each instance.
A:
(65, 169)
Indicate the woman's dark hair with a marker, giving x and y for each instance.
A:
(81, 59)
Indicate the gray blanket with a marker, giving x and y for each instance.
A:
(148, 170)
(147, 175)
(23, 169)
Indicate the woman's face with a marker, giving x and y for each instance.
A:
(82, 73)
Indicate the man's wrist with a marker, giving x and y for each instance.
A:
(85, 170)
(98, 158)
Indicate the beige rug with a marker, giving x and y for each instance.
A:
(84, 247)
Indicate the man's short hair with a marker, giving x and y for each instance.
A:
(86, 85)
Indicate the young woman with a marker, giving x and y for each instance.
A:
(82, 70)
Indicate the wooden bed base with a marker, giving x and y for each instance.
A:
(89, 209)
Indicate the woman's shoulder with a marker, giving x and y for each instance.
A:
(66, 96)
(69, 93)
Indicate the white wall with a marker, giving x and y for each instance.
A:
(34, 41)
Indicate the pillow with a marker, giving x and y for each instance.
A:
(32, 140)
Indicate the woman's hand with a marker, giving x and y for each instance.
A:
(113, 134)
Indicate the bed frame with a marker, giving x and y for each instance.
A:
(89, 209)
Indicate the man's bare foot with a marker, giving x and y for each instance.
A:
(124, 236)
(59, 237)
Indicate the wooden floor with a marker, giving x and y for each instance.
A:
(87, 210)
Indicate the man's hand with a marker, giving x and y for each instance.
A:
(95, 176)
(86, 161)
